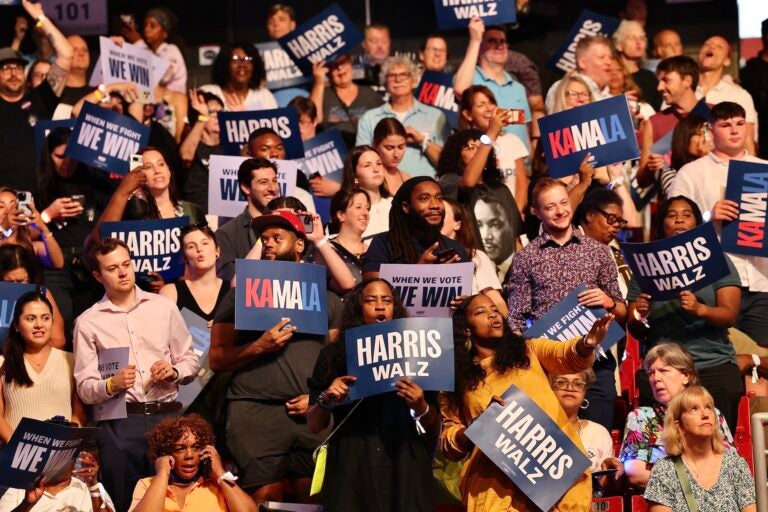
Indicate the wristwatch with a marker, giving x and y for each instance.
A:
(485, 140)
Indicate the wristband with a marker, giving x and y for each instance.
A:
(46, 218)
(202, 118)
(756, 363)
(419, 427)
(176, 372)
(95, 488)
(227, 477)
(109, 389)
(321, 242)
(95, 495)
(40, 20)
(425, 142)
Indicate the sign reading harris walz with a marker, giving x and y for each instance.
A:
(380, 354)
(748, 187)
(602, 128)
(325, 37)
(529, 447)
(688, 261)
(457, 13)
(268, 291)
(588, 24)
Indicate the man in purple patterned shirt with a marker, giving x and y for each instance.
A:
(552, 265)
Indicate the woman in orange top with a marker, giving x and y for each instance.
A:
(489, 359)
(189, 476)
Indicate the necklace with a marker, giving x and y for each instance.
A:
(579, 429)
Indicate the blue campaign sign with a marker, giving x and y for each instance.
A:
(39, 448)
(324, 37)
(588, 24)
(568, 319)
(43, 128)
(268, 291)
(201, 344)
(381, 354)
(529, 447)
(155, 244)
(324, 155)
(748, 187)
(105, 139)
(237, 126)
(457, 13)
(281, 71)
(688, 261)
(603, 128)
(9, 294)
(436, 89)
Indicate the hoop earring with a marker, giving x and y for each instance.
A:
(585, 404)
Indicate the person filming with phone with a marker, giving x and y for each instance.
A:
(189, 473)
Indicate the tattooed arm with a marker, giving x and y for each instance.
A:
(57, 76)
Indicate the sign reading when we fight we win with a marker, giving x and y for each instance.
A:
(748, 187)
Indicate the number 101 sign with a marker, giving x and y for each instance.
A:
(83, 17)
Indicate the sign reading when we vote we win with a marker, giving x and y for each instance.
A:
(9, 294)
(268, 291)
(105, 139)
(324, 37)
(688, 261)
(427, 290)
(236, 127)
(457, 13)
(529, 447)
(603, 128)
(748, 187)
(155, 244)
(588, 24)
(225, 198)
(129, 63)
(380, 354)
(111, 361)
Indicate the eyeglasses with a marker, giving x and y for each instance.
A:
(439, 51)
(564, 384)
(612, 219)
(246, 59)
(10, 68)
(396, 77)
(577, 94)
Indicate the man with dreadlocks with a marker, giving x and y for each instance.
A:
(414, 230)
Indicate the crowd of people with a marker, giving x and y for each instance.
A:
(414, 190)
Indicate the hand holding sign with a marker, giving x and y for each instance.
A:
(596, 297)
(124, 379)
(319, 71)
(476, 29)
(273, 339)
(412, 395)
(586, 170)
(690, 304)
(725, 210)
(655, 162)
(643, 304)
(88, 471)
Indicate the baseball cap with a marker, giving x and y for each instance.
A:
(8, 54)
(280, 218)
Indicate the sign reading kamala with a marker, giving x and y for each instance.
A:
(529, 447)
(281, 71)
(603, 128)
(427, 290)
(38, 448)
(268, 291)
(380, 354)
(747, 186)
(224, 195)
(568, 319)
(236, 127)
(457, 13)
(9, 294)
(324, 37)
(436, 89)
(129, 63)
(105, 139)
(111, 361)
(588, 24)
(688, 261)
(155, 244)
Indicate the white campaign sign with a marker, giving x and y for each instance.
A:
(129, 63)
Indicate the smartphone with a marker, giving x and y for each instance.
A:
(136, 161)
(515, 116)
(205, 468)
(79, 198)
(308, 224)
(445, 254)
(24, 199)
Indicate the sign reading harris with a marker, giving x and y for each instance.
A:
(568, 319)
(427, 290)
(129, 63)
(225, 197)
(155, 244)
(436, 89)
(236, 127)
(747, 186)
(380, 354)
(603, 128)
(324, 37)
(111, 361)
(38, 448)
(457, 13)
(281, 71)
(9, 294)
(529, 447)
(105, 139)
(588, 24)
(688, 261)
(268, 291)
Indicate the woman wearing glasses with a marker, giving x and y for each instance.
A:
(698, 320)
(237, 75)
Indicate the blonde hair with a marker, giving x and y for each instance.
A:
(560, 103)
(674, 440)
(674, 355)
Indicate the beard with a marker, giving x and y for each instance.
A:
(422, 229)
(288, 255)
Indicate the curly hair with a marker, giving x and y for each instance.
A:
(450, 161)
(511, 352)
(220, 74)
(164, 436)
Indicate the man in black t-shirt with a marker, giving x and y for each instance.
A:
(268, 394)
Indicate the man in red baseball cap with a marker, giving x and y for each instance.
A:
(282, 235)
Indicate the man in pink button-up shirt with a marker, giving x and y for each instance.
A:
(160, 358)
